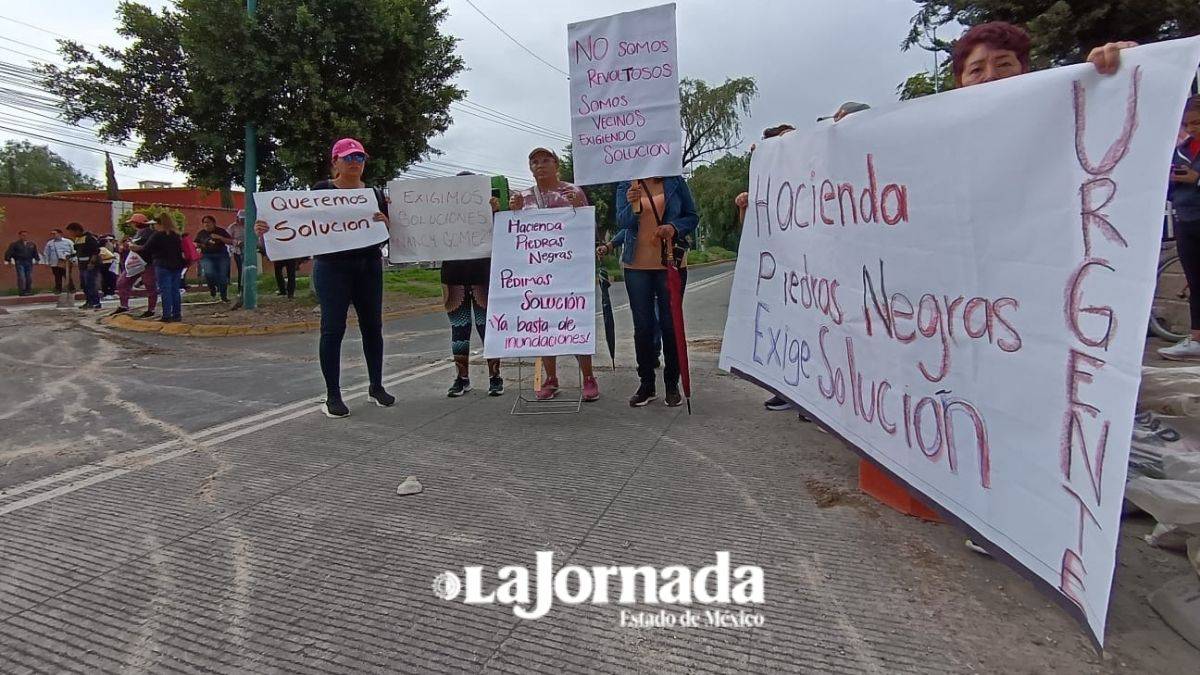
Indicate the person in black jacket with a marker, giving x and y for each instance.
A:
(23, 254)
(165, 249)
(348, 278)
(87, 256)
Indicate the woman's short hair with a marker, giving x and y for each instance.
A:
(995, 34)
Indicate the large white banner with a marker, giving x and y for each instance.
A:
(960, 286)
(302, 223)
(542, 296)
(440, 218)
(625, 96)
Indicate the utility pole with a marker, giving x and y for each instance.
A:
(250, 251)
(937, 71)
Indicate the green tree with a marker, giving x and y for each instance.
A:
(306, 73)
(712, 116)
(922, 83)
(152, 212)
(1063, 31)
(34, 169)
(714, 188)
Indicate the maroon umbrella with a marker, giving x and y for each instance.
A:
(675, 295)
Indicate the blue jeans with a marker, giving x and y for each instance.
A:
(215, 268)
(341, 282)
(651, 307)
(89, 278)
(170, 284)
(24, 276)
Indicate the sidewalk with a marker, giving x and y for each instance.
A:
(278, 543)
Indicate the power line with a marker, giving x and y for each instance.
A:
(503, 123)
(47, 31)
(26, 44)
(515, 40)
(504, 115)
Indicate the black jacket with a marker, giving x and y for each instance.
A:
(21, 251)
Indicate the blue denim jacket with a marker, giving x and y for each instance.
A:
(1185, 198)
(679, 211)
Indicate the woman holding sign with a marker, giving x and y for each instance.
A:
(652, 213)
(348, 278)
(465, 293)
(549, 192)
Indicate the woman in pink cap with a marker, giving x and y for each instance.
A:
(348, 278)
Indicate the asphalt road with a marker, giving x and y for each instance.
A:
(76, 392)
(173, 505)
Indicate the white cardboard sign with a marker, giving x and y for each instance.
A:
(625, 96)
(542, 295)
(440, 219)
(960, 285)
(304, 223)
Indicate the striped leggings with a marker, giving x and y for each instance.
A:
(465, 305)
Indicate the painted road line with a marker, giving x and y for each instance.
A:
(119, 465)
(124, 458)
(415, 373)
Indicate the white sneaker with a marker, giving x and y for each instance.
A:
(1186, 350)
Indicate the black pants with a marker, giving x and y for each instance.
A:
(59, 273)
(650, 305)
(1187, 243)
(290, 267)
(340, 283)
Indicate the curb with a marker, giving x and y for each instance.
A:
(126, 322)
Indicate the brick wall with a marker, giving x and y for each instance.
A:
(40, 214)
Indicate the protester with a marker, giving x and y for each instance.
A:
(549, 192)
(87, 257)
(1185, 198)
(742, 201)
(465, 294)
(109, 267)
(286, 268)
(136, 266)
(22, 254)
(214, 242)
(653, 214)
(348, 278)
(237, 243)
(165, 248)
(57, 254)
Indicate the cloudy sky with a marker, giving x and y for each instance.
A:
(808, 56)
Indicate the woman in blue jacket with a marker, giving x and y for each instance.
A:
(652, 213)
(1185, 198)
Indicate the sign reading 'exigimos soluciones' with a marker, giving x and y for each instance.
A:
(302, 223)
(625, 96)
(960, 287)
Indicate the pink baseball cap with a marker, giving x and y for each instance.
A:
(347, 146)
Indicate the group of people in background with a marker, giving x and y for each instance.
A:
(655, 220)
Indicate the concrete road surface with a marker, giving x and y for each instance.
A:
(176, 505)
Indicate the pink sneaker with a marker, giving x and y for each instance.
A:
(549, 389)
(591, 390)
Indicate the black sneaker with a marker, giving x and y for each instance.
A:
(146, 315)
(642, 396)
(381, 397)
(86, 305)
(119, 310)
(495, 386)
(461, 386)
(334, 407)
(777, 403)
(673, 399)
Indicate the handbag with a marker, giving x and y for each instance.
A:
(134, 264)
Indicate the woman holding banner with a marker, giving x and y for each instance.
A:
(348, 278)
(550, 192)
(653, 213)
